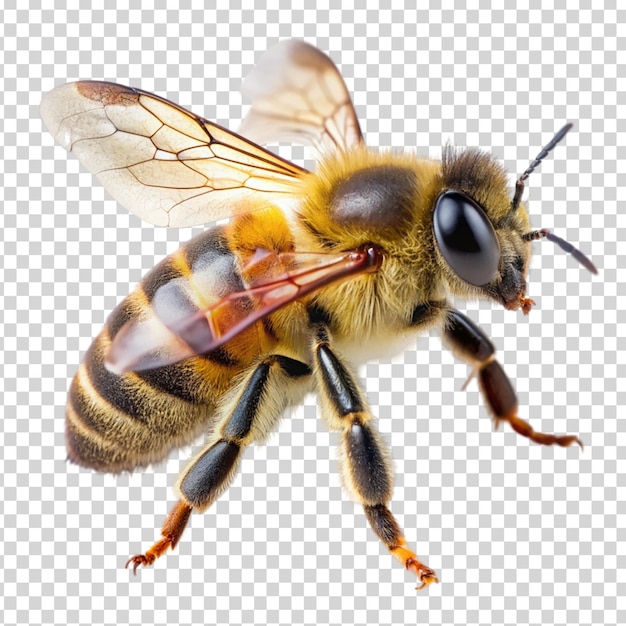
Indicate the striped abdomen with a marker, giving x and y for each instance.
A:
(118, 422)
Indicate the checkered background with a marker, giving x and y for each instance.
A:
(519, 534)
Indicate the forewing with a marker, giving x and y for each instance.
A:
(163, 163)
(165, 337)
(298, 95)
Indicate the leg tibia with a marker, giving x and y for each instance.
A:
(497, 389)
(365, 464)
(209, 474)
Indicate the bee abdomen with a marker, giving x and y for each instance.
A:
(118, 422)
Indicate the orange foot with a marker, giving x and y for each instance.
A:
(172, 530)
(525, 429)
(140, 559)
(150, 556)
(423, 572)
(409, 559)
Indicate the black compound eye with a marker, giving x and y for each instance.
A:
(466, 238)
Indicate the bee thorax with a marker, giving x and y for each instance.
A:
(379, 196)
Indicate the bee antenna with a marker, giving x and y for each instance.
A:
(564, 245)
(519, 185)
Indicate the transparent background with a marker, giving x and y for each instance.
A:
(518, 533)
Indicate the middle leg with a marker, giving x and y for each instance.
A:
(365, 463)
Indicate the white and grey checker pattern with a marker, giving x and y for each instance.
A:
(519, 534)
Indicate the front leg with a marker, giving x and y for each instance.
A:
(470, 343)
(365, 464)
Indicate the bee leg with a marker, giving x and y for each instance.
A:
(248, 414)
(470, 343)
(365, 464)
(171, 532)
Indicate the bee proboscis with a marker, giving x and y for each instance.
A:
(227, 333)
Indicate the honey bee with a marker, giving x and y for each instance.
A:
(227, 333)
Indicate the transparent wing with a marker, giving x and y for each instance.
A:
(299, 96)
(163, 163)
(165, 337)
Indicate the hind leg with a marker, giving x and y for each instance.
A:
(251, 412)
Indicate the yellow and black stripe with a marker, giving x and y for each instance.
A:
(119, 422)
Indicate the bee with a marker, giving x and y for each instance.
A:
(227, 333)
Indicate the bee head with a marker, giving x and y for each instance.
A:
(483, 236)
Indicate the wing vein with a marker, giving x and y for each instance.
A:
(165, 164)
